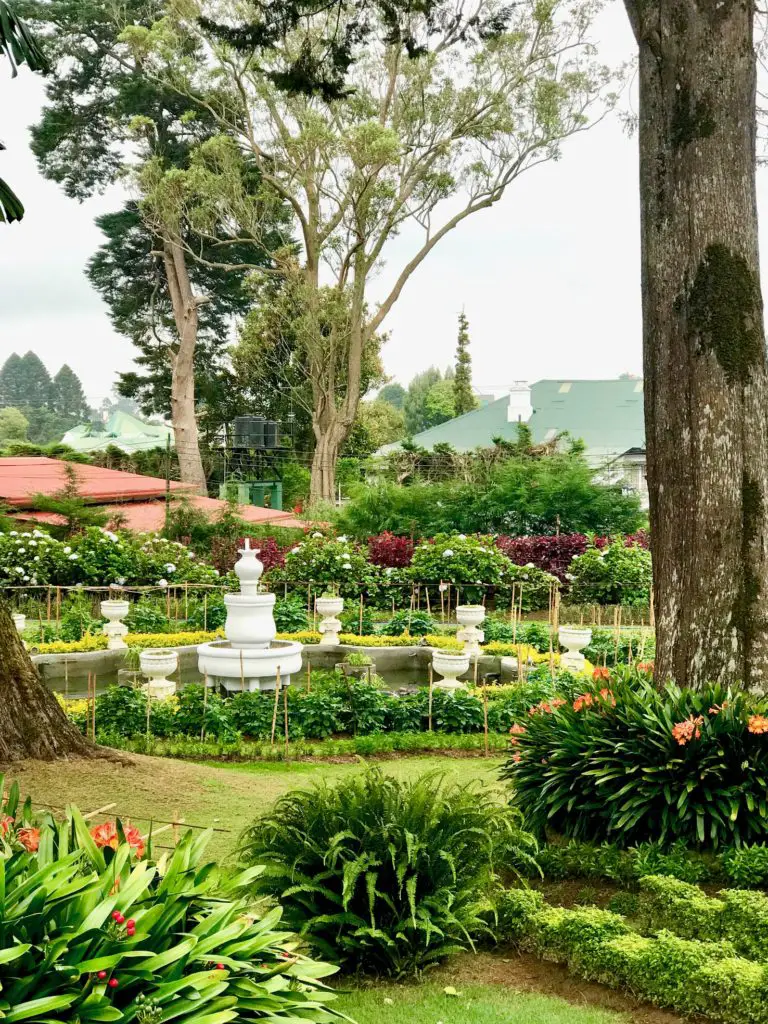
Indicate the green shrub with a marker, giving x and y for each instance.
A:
(350, 621)
(210, 614)
(470, 563)
(197, 712)
(146, 617)
(413, 622)
(327, 562)
(631, 647)
(386, 876)
(640, 763)
(625, 903)
(687, 975)
(667, 903)
(291, 615)
(611, 575)
(186, 945)
(746, 866)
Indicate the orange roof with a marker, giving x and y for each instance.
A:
(149, 516)
(22, 478)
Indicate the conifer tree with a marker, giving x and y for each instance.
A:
(463, 396)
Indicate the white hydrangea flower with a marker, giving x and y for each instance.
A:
(170, 567)
(342, 540)
(462, 536)
(317, 534)
(20, 551)
(14, 533)
(295, 551)
(162, 583)
(448, 553)
(73, 557)
(67, 550)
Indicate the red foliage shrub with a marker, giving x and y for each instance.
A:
(553, 554)
(390, 551)
(224, 552)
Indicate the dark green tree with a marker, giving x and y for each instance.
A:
(414, 403)
(67, 395)
(463, 396)
(19, 47)
(35, 382)
(394, 394)
(102, 107)
(12, 382)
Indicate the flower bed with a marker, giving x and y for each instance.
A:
(631, 763)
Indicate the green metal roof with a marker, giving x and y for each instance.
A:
(122, 430)
(606, 414)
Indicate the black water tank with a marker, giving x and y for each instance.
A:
(248, 432)
(270, 434)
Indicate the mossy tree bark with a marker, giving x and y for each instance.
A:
(706, 378)
(32, 723)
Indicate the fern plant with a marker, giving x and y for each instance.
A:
(382, 875)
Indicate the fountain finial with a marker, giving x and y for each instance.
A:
(248, 569)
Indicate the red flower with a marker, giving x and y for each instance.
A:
(685, 731)
(717, 708)
(546, 707)
(517, 758)
(6, 824)
(645, 666)
(29, 839)
(518, 730)
(586, 700)
(601, 672)
(607, 696)
(757, 724)
(106, 835)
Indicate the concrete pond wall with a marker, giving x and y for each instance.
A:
(400, 667)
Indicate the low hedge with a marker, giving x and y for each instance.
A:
(737, 916)
(687, 975)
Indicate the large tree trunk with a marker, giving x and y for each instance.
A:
(706, 381)
(185, 312)
(32, 723)
(329, 437)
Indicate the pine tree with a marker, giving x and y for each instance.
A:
(463, 397)
(12, 382)
(36, 382)
(67, 395)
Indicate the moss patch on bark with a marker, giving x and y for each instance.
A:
(692, 118)
(725, 312)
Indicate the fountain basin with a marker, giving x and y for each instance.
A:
(253, 668)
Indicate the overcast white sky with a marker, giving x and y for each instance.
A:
(549, 279)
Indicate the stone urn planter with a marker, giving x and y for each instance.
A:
(157, 663)
(19, 621)
(330, 626)
(450, 666)
(115, 629)
(574, 639)
(469, 617)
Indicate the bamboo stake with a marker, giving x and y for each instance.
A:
(360, 632)
(485, 719)
(168, 603)
(205, 708)
(149, 712)
(93, 710)
(274, 713)
(48, 616)
(426, 594)
(519, 662)
(58, 606)
(285, 716)
(442, 602)
(186, 600)
(431, 688)
(617, 636)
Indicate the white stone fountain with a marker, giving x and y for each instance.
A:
(115, 629)
(469, 617)
(450, 666)
(329, 607)
(250, 658)
(574, 639)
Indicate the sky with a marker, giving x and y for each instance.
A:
(549, 278)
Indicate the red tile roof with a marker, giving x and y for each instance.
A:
(149, 516)
(120, 494)
(22, 478)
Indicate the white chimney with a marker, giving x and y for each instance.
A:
(519, 409)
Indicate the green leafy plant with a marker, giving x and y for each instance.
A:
(615, 574)
(632, 763)
(147, 617)
(92, 933)
(413, 622)
(385, 876)
(291, 615)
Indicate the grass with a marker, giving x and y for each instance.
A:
(476, 1004)
(225, 797)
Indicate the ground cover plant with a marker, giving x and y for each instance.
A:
(386, 877)
(95, 930)
(633, 763)
(689, 975)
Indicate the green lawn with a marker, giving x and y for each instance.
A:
(227, 797)
(477, 1004)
